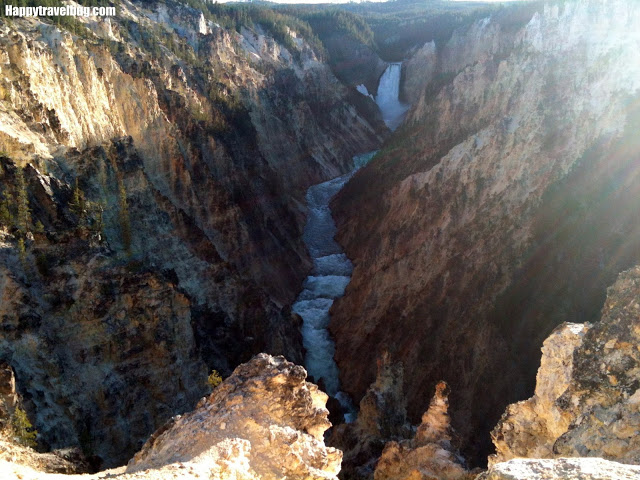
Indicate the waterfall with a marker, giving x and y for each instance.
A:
(393, 111)
(330, 275)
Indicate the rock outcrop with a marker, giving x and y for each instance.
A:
(560, 469)
(9, 399)
(382, 445)
(266, 413)
(487, 220)
(588, 389)
(264, 421)
(16, 460)
(382, 417)
(430, 454)
(16, 433)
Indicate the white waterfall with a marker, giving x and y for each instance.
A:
(330, 275)
(393, 111)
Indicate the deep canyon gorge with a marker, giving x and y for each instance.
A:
(431, 206)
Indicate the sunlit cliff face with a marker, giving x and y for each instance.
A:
(603, 30)
(460, 210)
(609, 35)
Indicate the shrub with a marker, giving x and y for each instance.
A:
(6, 219)
(23, 431)
(214, 379)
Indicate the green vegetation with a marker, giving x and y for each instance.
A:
(391, 29)
(6, 218)
(326, 23)
(23, 217)
(404, 24)
(22, 251)
(15, 212)
(23, 431)
(77, 205)
(155, 41)
(275, 23)
(123, 217)
(89, 215)
(214, 379)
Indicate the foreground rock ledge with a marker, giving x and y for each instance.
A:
(264, 421)
(561, 468)
(587, 397)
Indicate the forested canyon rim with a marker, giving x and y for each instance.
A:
(158, 170)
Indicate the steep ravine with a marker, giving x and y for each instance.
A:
(159, 223)
(330, 275)
(167, 210)
(331, 268)
(502, 207)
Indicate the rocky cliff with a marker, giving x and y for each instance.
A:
(431, 453)
(264, 421)
(151, 209)
(381, 444)
(504, 206)
(587, 395)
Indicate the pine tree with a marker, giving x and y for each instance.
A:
(23, 219)
(6, 219)
(22, 252)
(78, 205)
(125, 223)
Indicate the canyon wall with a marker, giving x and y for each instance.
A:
(153, 175)
(502, 207)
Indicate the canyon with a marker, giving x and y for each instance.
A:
(488, 218)
(169, 194)
(186, 189)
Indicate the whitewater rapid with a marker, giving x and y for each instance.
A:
(393, 110)
(331, 268)
(330, 275)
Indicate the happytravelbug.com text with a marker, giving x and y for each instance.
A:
(67, 11)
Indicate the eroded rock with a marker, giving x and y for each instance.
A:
(430, 454)
(489, 221)
(198, 167)
(562, 468)
(381, 418)
(382, 445)
(263, 422)
(587, 393)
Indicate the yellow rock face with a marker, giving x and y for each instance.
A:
(263, 422)
(586, 399)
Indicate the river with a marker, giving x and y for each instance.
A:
(331, 268)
